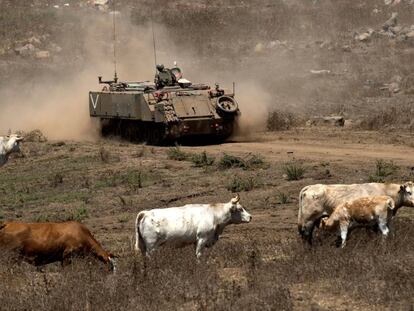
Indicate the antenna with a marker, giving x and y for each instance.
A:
(153, 41)
(114, 25)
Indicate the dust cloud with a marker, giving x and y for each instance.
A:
(57, 103)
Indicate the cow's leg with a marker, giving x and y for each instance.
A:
(66, 257)
(382, 223)
(344, 232)
(201, 244)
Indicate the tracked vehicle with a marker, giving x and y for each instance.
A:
(164, 114)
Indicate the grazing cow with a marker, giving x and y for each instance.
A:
(8, 145)
(198, 224)
(368, 210)
(318, 201)
(43, 243)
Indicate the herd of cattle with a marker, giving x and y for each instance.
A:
(329, 207)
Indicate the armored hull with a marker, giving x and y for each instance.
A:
(141, 113)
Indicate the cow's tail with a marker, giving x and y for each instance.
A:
(300, 220)
(139, 241)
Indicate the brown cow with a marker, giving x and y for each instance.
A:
(43, 243)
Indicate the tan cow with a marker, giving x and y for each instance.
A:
(318, 201)
(368, 211)
(43, 243)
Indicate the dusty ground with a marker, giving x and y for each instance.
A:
(105, 184)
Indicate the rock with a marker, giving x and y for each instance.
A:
(259, 47)
(55, 48)
(338, 121)
(346, 48)
(410, 34)
(101, 5)
(394, 85)
(364, 36)
(391, 22)
(26, 50)
(395, 30)
(320, 72)
(33, 40)
(42, 54)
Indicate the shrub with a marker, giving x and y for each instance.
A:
(229, 161)
(175, 153)
(104, 155)
(123, 218)
(79, 214)
(383, 169)
(255, 161)
(282, 198)
(294, 171)
(56, 180)
(202, 159)
(251, 161)
(238, 184)
(279, 121)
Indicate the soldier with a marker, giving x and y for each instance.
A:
(164, 77)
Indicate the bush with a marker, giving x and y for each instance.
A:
(282, 198)
(104, 155)
(238, 184)
(279, 121)
(229, 161)
(202, 160)
(383, 169)
(251, 161)
(294, 171)
(175, 153)
(79, 214)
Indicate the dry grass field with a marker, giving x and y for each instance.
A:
(257, 266)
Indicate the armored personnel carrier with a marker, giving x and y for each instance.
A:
(170, 110)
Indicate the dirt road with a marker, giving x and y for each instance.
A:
(328, 144)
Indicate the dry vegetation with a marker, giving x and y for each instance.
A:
(257, 266)
(250, 273)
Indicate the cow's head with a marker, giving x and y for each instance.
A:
(238, 213)
(13, 143)
(407, 194)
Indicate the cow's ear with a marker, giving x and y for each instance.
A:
(403, 188)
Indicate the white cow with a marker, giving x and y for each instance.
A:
(8, 145)
(198, 224)
(367, 211)
(318, 201)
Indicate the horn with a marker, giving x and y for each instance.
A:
(236, 199)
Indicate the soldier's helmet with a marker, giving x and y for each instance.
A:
(160, 67)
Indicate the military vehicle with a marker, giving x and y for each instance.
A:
(164, 113)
